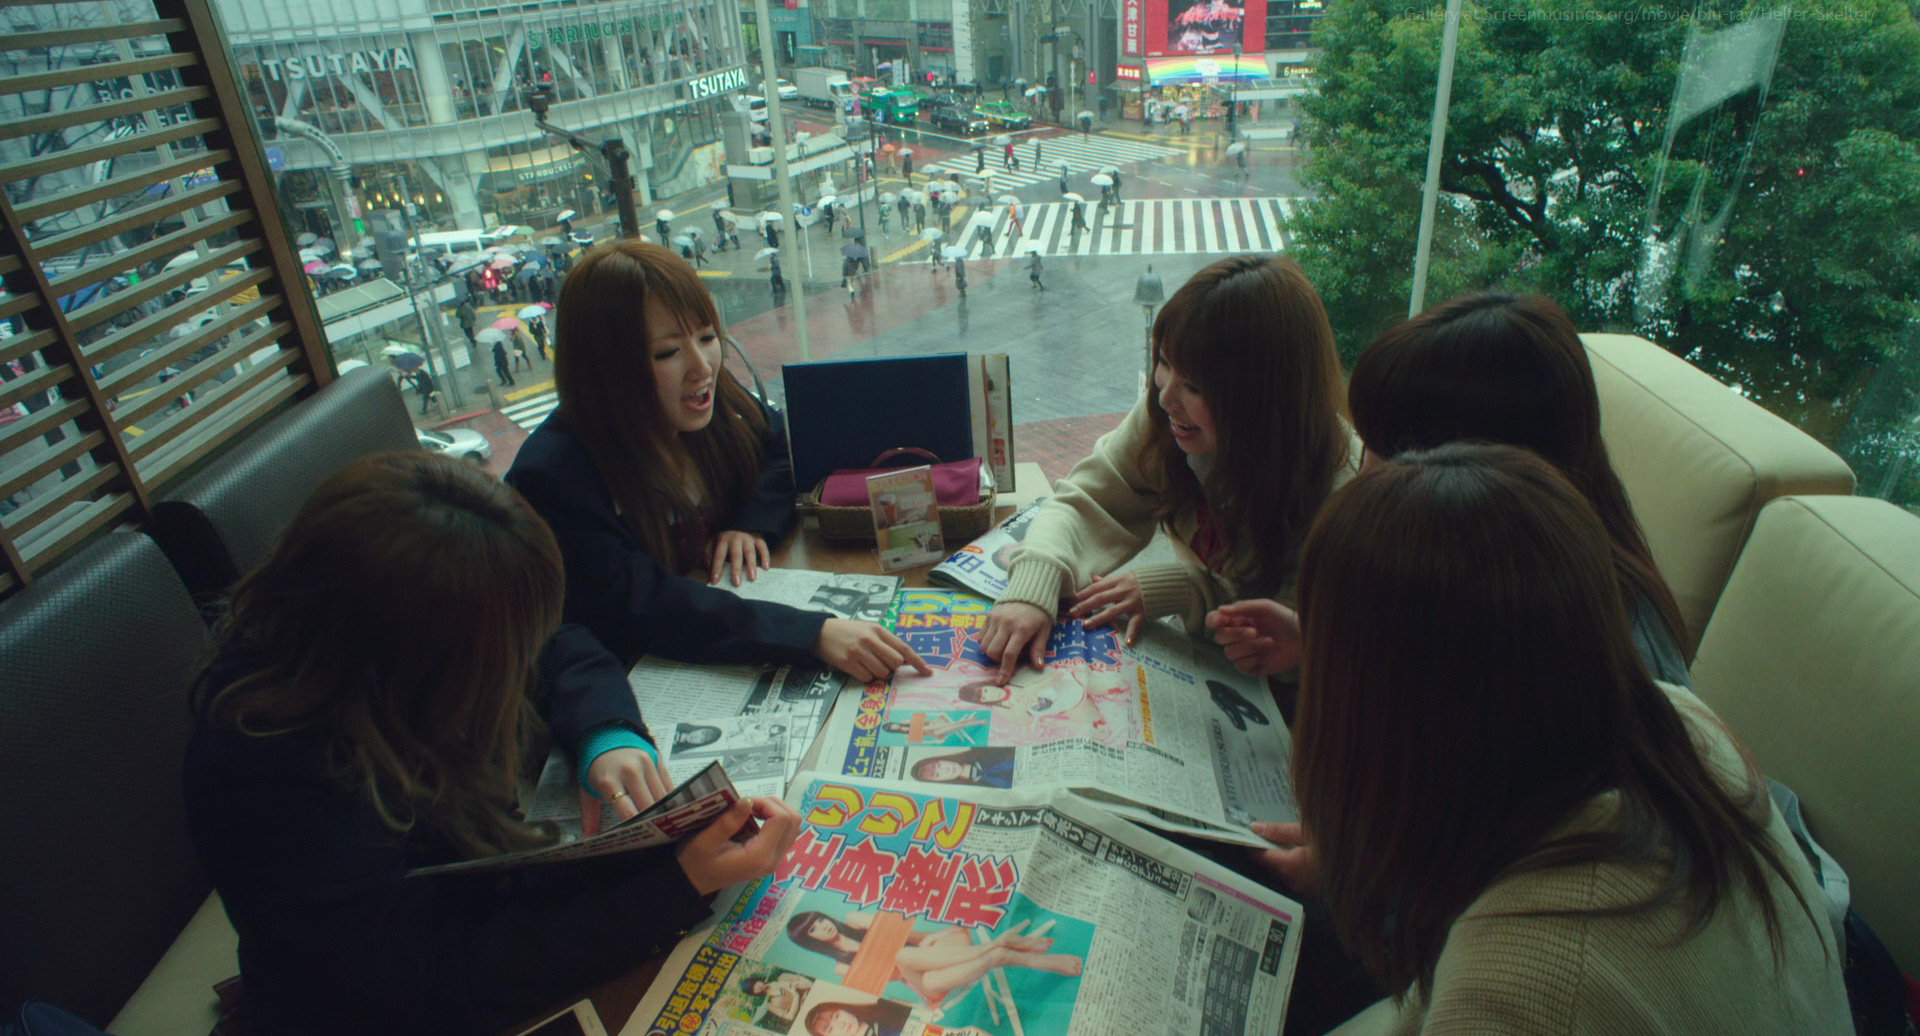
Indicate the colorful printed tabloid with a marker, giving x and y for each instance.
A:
(1165, 732)
(985, 913)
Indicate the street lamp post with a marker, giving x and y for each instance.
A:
(1149, 292)
(614, 158)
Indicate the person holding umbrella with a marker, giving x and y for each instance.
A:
(1086, 122)
(1033, 269)
(661, 226)
(538, 327)
(1078, 217)
(906, 164)
(1239, 153)
(903, 203)
(979, 159)
(1063, 178)
(719, 230)
(776, 282)
(849, 267)
(658, 463)
(983, 233)
(500, 361)
(1036, 154)
(919, 215)
(428, 391)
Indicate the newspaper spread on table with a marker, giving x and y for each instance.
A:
(981, 566)
(1165, 732)
(909, 911)
(681, 812)
(757, 720)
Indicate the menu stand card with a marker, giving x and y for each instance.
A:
(906, 518)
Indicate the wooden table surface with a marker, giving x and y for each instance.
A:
(615, 1001)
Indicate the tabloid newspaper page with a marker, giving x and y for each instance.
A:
(1166, 732)
(981, 566)
(949, 912)
(683, 811)
(757, 720)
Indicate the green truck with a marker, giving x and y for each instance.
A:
(898, 106)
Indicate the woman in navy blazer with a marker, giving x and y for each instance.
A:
(657, 463)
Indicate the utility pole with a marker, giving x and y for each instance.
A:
(431, 326)
(777, 126)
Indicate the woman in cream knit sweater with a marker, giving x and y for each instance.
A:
(1511, 823)
(1232, 453)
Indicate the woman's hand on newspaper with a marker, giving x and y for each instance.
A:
(739, 553)
(625, 778)
(1014, 627)
(1293, 858)
(864, 650)
(1261, 637)
(1110, 599)
(733, 849)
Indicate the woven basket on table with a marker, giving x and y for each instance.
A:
(957, 524)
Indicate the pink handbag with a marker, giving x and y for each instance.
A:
(955, 483)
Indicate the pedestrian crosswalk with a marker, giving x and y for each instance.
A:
(1082, 154)
(1189, 226)
(529, 412)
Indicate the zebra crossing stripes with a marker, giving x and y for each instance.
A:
(529, 412)
(1083, 156)
(1158, 226)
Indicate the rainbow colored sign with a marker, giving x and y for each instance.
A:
(1206, 68)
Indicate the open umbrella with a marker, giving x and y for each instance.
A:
(764, 252)
(664, 214)
(1234, 149)
(369, 264)
(583, 238)
(730, 218)
(324, 244)
(718, 205)
(306, 239)
(683, 241)
(308, 255)
(490, 335)
(1002, 140)
(953, 252)
(1007, 199)
(827, 199)
(771, 217)
(549, 242)
(465, 263)
(852, 231)
(854, 251)
(1084, 115)
(1110, 170)
(407, 361)
(565, 214)
(362, 252)
(932, 234)
(1102, 179)
(344, 271)
(1035, 91)
(691, 231)
(906, 151)
(506, 324)
(1074, 197)
(888, 197)
(979, 145)
(528, 272)
(538, 309)
(950, 185)
(314, 266)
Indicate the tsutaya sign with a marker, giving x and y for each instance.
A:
(320, 66)
(717, 83)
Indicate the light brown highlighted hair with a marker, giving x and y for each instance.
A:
(401, 615)
(603, 373)
(1494, 367)
(1469, 684)
(1252, 336)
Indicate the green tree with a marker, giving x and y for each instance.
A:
(1554, 147)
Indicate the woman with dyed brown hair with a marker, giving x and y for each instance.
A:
(1511, 823)
(657, 463)
(1496, 368)
(1232, 453)
(381, 678)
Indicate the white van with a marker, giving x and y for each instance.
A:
(453, 242)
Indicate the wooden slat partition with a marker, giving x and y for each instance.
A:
(88, 439)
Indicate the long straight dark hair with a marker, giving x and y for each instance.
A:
(401, 615)
(1252, 335)
(1468, 685)
(1502, 368)
(603, 372)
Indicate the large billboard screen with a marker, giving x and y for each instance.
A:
(1205, 26)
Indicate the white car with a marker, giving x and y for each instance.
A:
(457, 442)
(754, 104)
(788, 91)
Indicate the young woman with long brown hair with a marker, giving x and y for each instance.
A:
(381, 677)
(1499, 368)
(657, 463)
(1511, 823)
(1232, 453)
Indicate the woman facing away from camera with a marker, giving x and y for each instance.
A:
(372, 701)
(657, 463)
(1512, 825)
(1232, 454)
(1498, 368)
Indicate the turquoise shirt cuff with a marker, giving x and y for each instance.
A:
(605, 738)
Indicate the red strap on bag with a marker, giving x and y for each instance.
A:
(955, 483)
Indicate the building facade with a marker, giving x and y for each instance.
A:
(424, 101)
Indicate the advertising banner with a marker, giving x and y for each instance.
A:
(1204, 26)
